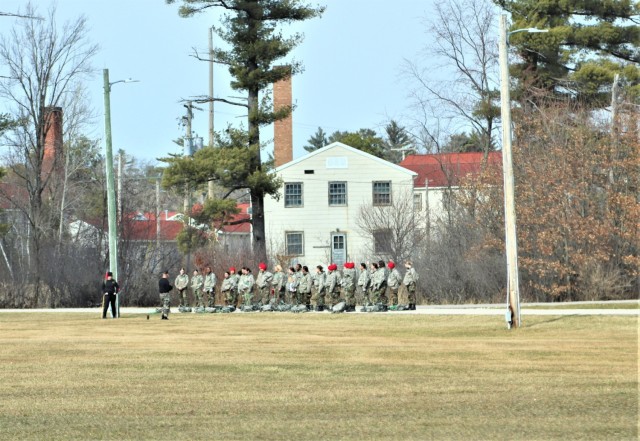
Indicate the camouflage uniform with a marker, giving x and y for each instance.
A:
(245, 288)
(348, 286)
(279, 283)
(318, 285)
(164, 287)
(182, 283)
(292, 288)
(332, 285)
(304, 289)
(364, 282)
(263, 282)
(379, 287)
(210, 281)
(234, 279)
(196, 285)
(226, 290)
(410, 280)
(394, 281)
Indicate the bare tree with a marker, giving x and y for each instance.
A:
(464, 41)
(43, 64)
(396, 230)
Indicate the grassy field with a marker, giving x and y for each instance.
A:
(284, 376)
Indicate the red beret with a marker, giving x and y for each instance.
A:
(332, 267)
(391, 265)
(262, 266)
(233, 268)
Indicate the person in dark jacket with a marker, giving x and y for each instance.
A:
(109, 288)
(164, 287)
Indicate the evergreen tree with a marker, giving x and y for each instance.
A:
(587, 44)
(397, 138)
(250, 29)
(317, 140)
(366, 140)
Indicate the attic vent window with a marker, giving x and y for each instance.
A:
(337, 162)
(309, 172)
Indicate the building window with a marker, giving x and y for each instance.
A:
(382, 193)
(337, 194)
(382, 240)
(294, 244)
(417, 202)
(293, 194)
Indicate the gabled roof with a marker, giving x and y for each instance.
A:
(447, 169)
(338, 145)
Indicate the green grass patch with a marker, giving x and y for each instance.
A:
(607, 305)
(317, 376)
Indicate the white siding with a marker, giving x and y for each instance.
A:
(316, 219)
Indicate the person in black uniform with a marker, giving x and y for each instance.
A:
(164, 287)
(109, 288)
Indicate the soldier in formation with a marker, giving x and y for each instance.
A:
(263, 282)
(279, 286)
(364, 283)
(393, 280)
(318, 286)
(245, 286)
(182, 283)
(348, 284)
(197, 282)
(304, 288)
(210, 281)
(299, 287)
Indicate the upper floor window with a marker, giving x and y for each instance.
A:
(337, 194)
(382, 193)
(293, 194)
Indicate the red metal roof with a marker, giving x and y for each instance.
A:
(243, 228)
(447, 169)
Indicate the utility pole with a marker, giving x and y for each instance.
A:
(513, 288)
(511, 241)
(111, 200)
(188, 150)
(158, 211)
(120, 174)
(188, 145)
(210, 187)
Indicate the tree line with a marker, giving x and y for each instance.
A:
(575, 109)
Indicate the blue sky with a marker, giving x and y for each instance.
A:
(353, 56)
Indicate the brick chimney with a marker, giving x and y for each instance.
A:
(283, 129)
(53, 130)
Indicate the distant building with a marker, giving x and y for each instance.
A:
(440, 175)
(315, 221)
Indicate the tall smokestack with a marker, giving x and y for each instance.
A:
(283, 129)
(53, 130)
(52, 160)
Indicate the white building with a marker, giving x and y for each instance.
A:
(315, 221)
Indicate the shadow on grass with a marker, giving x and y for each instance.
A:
(550, 320)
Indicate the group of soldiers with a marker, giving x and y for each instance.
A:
(326, 289)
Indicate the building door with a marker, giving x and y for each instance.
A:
(338, 248)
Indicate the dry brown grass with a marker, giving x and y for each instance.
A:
(317, 376)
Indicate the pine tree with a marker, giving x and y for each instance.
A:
(250, 29)
(317, 140)
(587, 44)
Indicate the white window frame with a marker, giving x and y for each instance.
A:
(344, 204)
(287, 244)
(288, 204)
